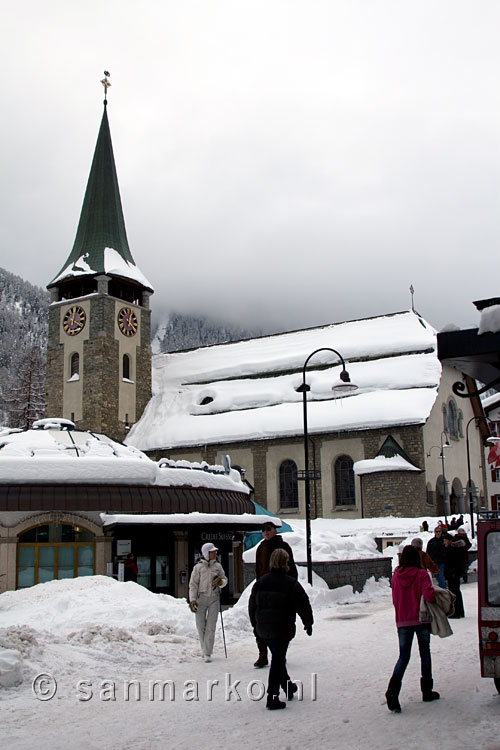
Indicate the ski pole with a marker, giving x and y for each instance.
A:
(222, 624)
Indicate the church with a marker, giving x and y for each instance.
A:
(244, 399)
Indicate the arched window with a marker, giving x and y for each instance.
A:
(452, 418)
(75, 366)
(126, 367)
(289, 488)
(344, 481)
(445, 418)
(54, 551)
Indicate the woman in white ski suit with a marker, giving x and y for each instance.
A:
(207, 579)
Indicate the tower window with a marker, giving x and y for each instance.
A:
(126, 367)
(75, 366)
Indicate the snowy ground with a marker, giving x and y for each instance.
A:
(105, 633)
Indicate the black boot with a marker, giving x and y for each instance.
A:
(428, 694)
(262, 660)
(392, 694)
(274, 703)
(291, 689)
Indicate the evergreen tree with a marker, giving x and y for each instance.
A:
(24, 401)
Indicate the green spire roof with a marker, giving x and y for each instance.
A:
(101, 229)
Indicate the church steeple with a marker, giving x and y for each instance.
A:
(101, 244)
(99, 352)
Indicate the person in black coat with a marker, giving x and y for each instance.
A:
(454, 548)
(462, 534)
(271, 541)
(436, 550)
(275, 601)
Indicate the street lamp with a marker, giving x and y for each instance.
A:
(469, 480)
(308, 476)
(444, 445)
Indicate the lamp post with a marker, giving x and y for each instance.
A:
(444, 445)
(469, 480)
(309, 476)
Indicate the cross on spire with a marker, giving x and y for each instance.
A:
(106, 85)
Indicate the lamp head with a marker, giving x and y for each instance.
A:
(344, 384)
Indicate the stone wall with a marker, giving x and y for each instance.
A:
(54, 378)
(337, 573)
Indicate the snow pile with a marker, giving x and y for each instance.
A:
(74, 604)
(10, 668)
(490, 320)
(382, 463)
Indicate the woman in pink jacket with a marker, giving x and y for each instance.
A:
(409, 583)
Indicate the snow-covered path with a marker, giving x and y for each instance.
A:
(352, 652)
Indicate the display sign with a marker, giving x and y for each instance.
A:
(123, 547)
(220, 536)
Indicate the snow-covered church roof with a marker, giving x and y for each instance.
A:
(247, 390)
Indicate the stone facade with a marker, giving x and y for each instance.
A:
(338, 573)
(96, 405)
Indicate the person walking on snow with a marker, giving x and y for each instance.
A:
(205, 583)
(272, 540)
(409, 583)
(275, 600)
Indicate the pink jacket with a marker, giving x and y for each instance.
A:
(408, 585)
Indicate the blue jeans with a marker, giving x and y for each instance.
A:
(440, 576)
(405, 636)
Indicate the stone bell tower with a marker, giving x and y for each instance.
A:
(99, 352)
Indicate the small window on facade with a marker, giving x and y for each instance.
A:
(428, 494)
(344, 481)
(289, 487)
(126, 367)
(445, 418)
(75, 365)
(452, 418)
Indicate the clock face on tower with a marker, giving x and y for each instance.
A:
(74, 320)
(127, 321)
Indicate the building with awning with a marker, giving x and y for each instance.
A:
(74, 503)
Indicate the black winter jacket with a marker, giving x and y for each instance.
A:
(436, 550)
(275, 600)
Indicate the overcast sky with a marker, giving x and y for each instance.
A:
(282, 163)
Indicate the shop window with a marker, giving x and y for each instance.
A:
(54, 551)
(289, 488)
(344, 481)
